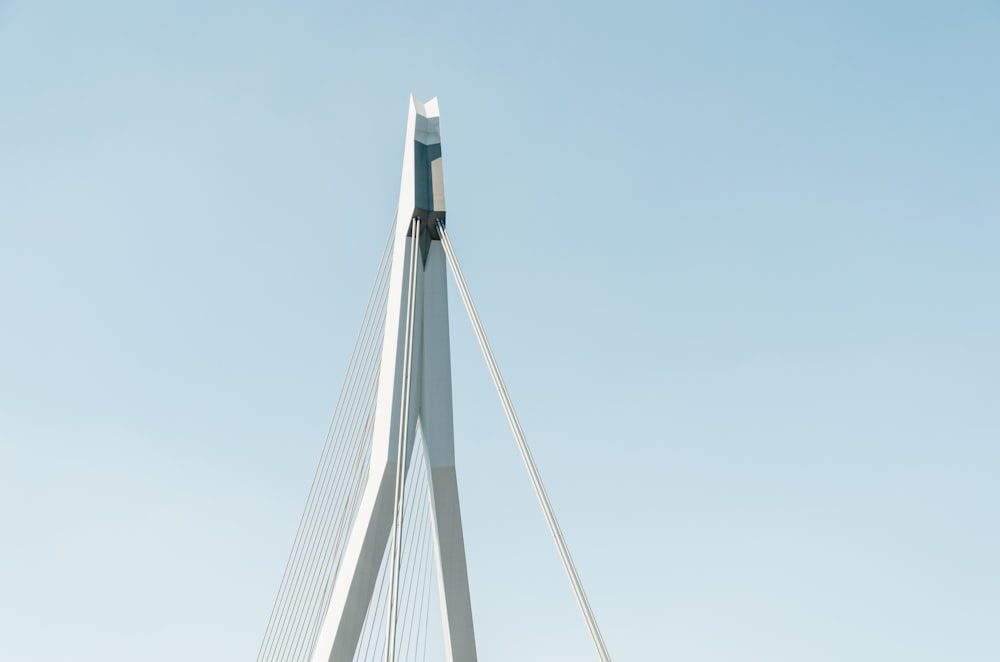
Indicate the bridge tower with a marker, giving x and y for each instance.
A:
(394, 420)
(414, 388)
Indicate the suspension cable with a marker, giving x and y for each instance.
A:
(355, 389)
(522, 445)
(401, 446)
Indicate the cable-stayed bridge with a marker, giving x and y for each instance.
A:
(379, 551)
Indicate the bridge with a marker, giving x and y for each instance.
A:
(382, 517)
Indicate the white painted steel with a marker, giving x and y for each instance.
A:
(437, 425)
(522, 445)
(413, 385)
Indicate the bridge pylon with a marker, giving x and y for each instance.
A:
(414, 389)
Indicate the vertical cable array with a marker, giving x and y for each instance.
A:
(522, 445)
(404, 422)
(334, 493)
(415, 575)
(392, 627)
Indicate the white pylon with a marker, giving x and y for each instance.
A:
(414, 388)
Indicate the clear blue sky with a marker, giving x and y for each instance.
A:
(739, 262)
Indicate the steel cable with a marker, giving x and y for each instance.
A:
(402, 441)
(525, 451)
(320, 503)
(348, 392)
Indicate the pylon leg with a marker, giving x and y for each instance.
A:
(437, 424)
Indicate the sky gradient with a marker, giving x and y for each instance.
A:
(739, 266)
